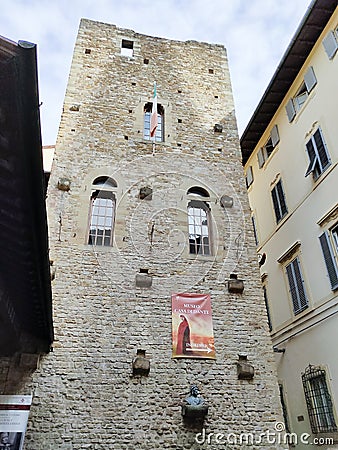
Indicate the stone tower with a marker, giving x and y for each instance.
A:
(132, 221)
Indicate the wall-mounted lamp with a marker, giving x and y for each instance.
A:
(143, 279)
(235, 286)
(146, 193)
(278, 350)
(218, 128)
(226, 201)
(64, 184)
(245, 370)
(141, 365)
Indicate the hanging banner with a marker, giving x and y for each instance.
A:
(192, 332)
(14, 411)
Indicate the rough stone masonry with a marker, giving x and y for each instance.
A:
(112, 300)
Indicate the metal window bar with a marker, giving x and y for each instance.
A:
(318, 400)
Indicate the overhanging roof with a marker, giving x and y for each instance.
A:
(25, 287)
(307, 34)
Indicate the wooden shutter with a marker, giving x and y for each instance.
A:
(312, 156)
(281, 197)
(296, 285)
(274, 135)
(330, 44)
(321, 150)
(310, 79)
(276, 204)
(290, 110)
(329, 259)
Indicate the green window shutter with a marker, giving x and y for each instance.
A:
(329, 259)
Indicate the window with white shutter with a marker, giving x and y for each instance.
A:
(296, 103)
(329, 243)
(296, 286)
(318, 155)
(265, 151)
(279, 202)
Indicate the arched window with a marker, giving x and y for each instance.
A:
(199, 222)
(159, 135)
(102, 212)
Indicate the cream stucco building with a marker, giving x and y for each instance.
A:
(290, 154)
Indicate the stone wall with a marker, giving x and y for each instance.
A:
(84, 394)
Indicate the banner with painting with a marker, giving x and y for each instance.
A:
(192, 330)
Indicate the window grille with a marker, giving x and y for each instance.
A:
(318, 400)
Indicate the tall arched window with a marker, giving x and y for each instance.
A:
(102, 212)
(199, 221)
(159, 135)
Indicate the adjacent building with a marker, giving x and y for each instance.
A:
(290, 155)
(25, 288)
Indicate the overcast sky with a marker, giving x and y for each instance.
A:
(256, 34)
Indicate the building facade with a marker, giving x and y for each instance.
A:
(134, 222)
(290, 155)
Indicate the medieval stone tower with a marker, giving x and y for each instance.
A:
(134, 220)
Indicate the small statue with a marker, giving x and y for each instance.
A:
(195, 397)
(194, 408)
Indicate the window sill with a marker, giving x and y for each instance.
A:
(323, 175)
(201, 257)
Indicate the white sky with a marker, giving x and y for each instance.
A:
(256, 34)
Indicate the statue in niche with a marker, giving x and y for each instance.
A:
(194, 409)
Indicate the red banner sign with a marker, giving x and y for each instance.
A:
(192, 330)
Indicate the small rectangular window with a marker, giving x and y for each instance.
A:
(297, 286)
(318, 155)
(127, 48)
(279, 202)
(318, 400)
